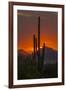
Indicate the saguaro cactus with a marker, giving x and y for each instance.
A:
(34, 53)
(36, 45)
(43, 56)
(38, 37)
(36, 42)
(39, 43)
(43, 51)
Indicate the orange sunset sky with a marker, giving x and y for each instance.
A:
(28, 25)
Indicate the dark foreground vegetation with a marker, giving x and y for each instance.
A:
(28, 67)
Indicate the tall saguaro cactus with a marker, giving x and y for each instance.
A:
(39, 43)
(34, 46)
(38, 37)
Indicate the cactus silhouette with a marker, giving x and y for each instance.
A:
(43, 56)
(34, 47)
(36, 44)
(39, 44)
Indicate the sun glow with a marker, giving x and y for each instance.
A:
(30, 49)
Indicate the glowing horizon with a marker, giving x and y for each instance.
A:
(30, 50)
(28, 26)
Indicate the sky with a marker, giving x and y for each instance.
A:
(28, 26)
